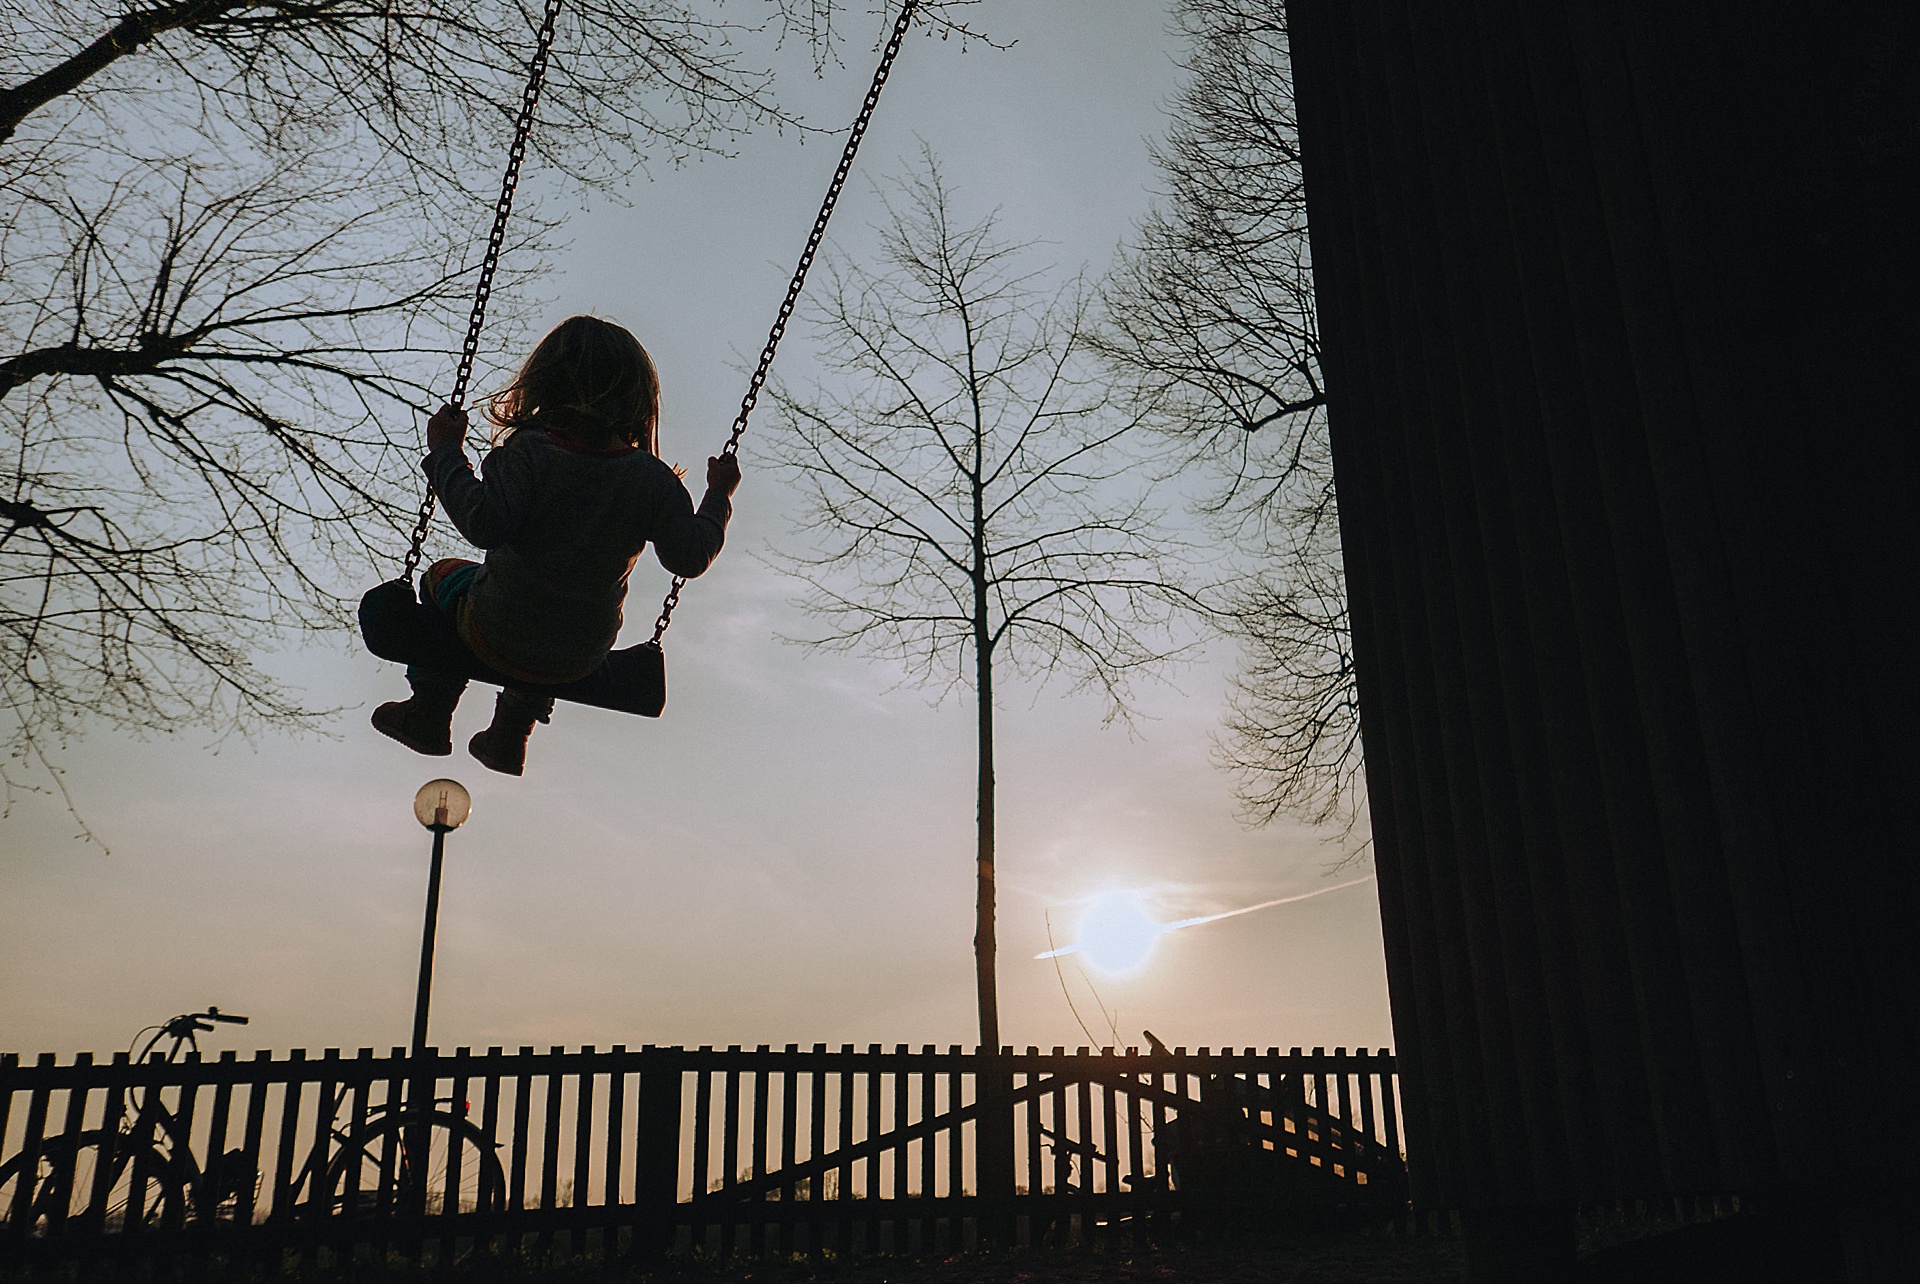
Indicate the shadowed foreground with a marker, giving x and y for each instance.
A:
(1254, 1260)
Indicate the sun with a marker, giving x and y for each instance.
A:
(1117, 935)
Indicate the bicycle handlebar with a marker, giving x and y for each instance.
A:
(187, 1024)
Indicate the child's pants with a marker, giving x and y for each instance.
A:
(443, 585)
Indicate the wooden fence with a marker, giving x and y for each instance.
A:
(648, 1150)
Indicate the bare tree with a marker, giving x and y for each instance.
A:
(971, 500)
(437, 83)
(236, 240)
(1211, 328)
(204, 408)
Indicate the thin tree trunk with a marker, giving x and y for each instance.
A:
(995, 1157)
(984, 942)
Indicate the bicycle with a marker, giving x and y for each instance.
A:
(126, 1173)
(400, 1160)
(140, 1172)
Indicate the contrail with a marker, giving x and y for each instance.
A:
(1177, 924)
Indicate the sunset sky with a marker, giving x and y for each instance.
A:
(787, 856)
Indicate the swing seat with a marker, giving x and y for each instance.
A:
(396, 625)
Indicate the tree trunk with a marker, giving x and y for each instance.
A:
(994, 1084)
(984, 944)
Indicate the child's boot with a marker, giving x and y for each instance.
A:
(422, 724)
(502, 747)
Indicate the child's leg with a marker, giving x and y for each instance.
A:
(525, 705)
(424, 723)
(434, 689)
(503, 746)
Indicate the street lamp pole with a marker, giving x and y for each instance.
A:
(423, 997)
(442, 806)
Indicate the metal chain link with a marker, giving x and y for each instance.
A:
(794, 286)
(490, 261)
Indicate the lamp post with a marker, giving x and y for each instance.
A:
(442, 806)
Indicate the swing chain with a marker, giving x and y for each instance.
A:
(799, 280)
(490, 261)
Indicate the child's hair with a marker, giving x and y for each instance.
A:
(591, 381)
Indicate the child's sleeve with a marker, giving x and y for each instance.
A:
(684, 539)
(488, 510)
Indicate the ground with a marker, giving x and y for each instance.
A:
(1251, 1260)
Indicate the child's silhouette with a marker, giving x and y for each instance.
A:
(572, 492)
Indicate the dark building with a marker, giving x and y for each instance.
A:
(1620, 306)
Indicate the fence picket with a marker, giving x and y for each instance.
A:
(615, 1150)
(817, 1144)
(789, 1139)
(94, 1222)
(758, 1232)
(287, 1138)
(253, 1136)
(522, 1115)
(929, 1148)
(843, 1227)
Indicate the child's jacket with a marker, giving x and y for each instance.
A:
(562, 526)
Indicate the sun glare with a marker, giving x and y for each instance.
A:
(1117, 935)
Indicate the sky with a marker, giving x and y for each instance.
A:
(786, 856)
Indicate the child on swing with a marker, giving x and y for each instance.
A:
(571, 493)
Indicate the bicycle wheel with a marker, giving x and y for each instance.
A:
(435, 1165)
(94, 1182)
